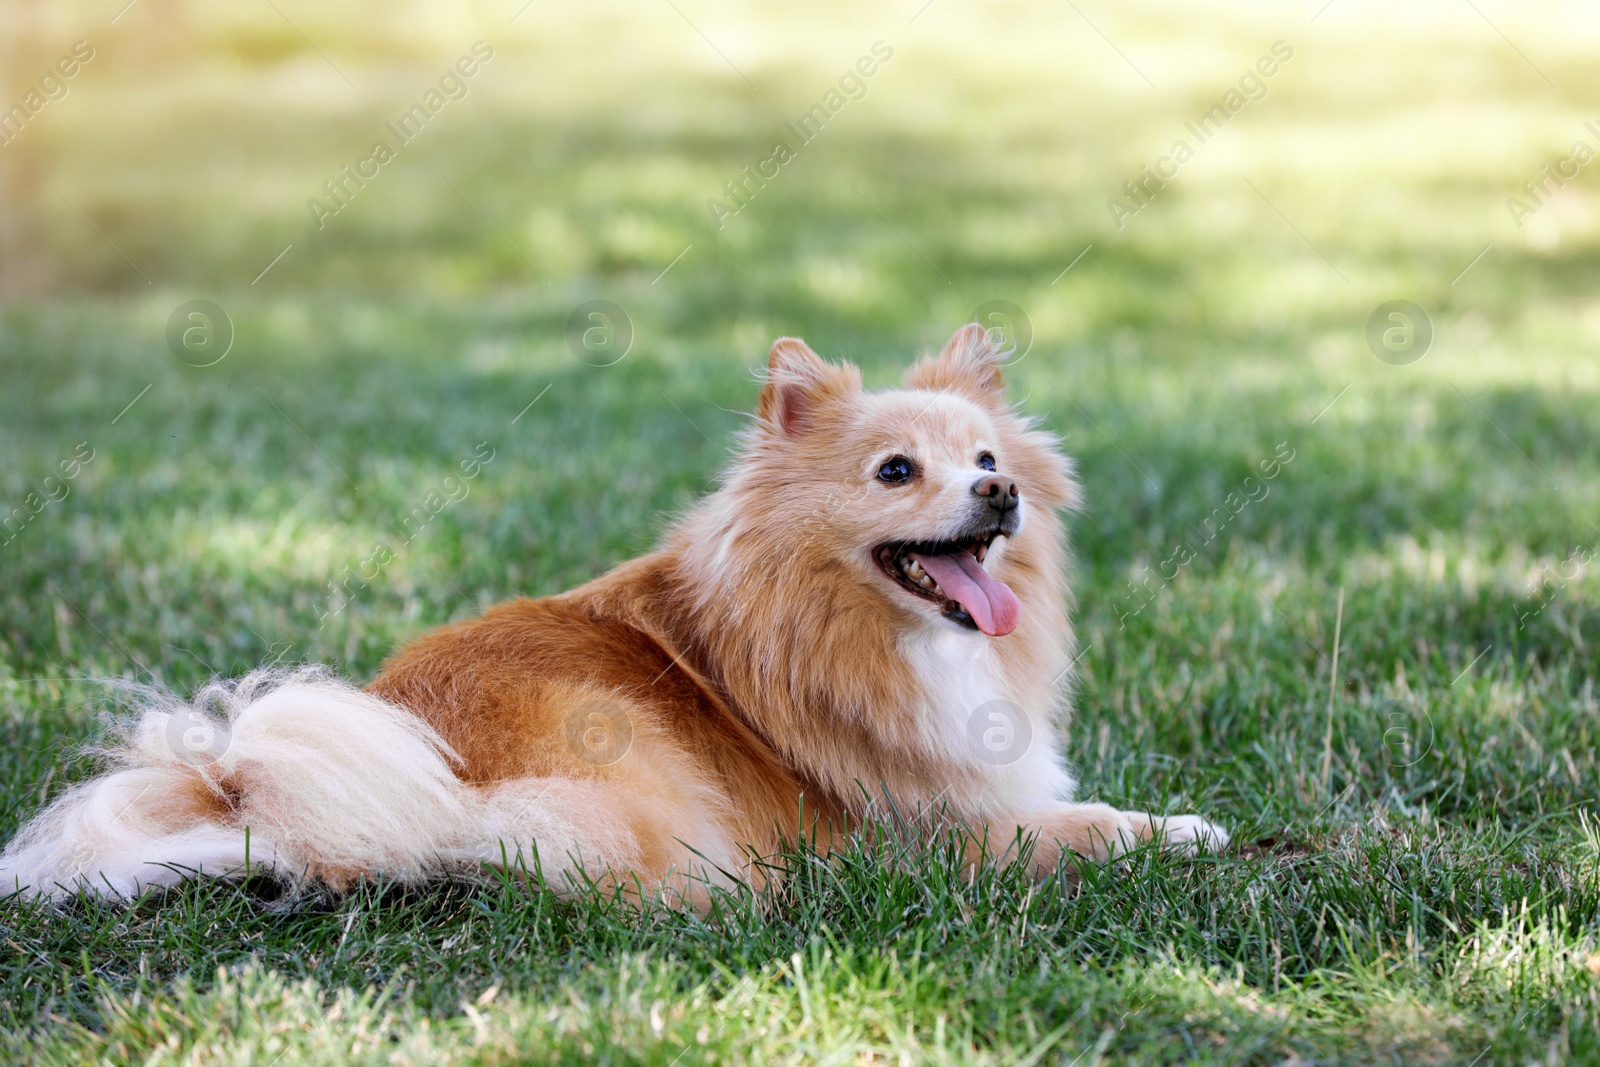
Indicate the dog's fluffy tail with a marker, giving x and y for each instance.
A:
(289, 773)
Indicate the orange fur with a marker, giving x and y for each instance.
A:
(760, 650)
(761, 675)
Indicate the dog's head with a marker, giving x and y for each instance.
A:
(936, 499)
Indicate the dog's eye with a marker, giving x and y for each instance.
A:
(986, 461)
(898, 469)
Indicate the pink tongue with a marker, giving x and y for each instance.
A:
(990, 602)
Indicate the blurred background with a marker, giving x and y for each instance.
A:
(348, 357)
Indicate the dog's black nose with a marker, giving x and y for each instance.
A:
(1001, 492)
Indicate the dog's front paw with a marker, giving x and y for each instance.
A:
(1189, 835)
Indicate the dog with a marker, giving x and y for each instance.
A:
(869, 614)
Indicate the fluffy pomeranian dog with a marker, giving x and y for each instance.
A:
(869, 615)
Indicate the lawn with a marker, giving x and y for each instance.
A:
(1376, 667)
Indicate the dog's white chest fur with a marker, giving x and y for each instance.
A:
(974, 718)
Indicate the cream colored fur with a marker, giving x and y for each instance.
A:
(327, 778)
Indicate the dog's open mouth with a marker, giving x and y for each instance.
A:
(951, 574)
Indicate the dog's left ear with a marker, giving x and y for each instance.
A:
(969, 364)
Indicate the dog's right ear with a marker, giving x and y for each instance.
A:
(799, 383)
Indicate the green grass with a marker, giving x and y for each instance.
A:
(1420, 873)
